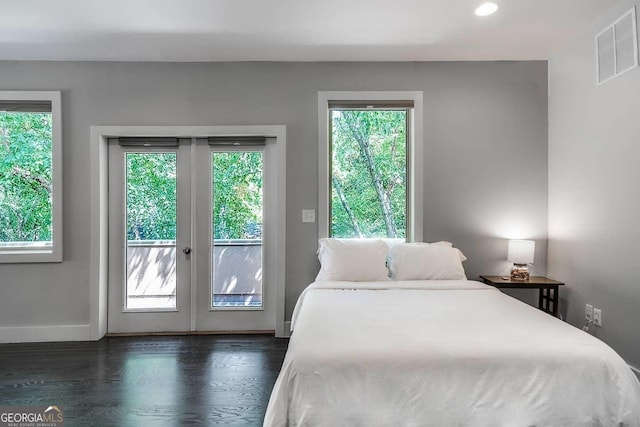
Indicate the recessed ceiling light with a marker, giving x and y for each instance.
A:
(486, 9)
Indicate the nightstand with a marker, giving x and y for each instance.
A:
(547, 289)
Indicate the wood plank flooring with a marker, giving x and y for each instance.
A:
(146, 381)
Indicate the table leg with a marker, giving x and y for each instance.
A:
(541, 299)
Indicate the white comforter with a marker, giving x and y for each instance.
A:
(443, 353)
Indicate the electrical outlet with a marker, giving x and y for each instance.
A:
(597, 317)
(588, 313)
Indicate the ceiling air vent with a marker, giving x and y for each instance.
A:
(617, 47)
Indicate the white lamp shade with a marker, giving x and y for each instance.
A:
(521, 251)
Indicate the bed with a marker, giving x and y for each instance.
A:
(443, 353)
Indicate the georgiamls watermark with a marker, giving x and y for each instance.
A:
(31, 416)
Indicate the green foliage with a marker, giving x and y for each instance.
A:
(368, 187)
(151, 196)
(26, 189)
(237, 195)
(25, 177)
(152, 202)
(369, 166)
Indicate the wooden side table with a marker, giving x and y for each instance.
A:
(548, 294)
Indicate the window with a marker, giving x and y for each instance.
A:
(30, 177)
(370, 159)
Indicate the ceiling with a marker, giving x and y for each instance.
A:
(290, 30)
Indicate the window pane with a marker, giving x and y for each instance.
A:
(151, 230)
(25, 179)
(237, 229)
(368, 173)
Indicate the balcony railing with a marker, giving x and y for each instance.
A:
(151, 273)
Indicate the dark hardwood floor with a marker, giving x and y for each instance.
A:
(146, 381)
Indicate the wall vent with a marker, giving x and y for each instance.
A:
(617, 48)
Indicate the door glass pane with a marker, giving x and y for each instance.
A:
(237, 229)
(368, 173)
(151, 230)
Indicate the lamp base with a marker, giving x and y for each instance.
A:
(520, 272)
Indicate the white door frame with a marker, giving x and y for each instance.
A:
(99, 220)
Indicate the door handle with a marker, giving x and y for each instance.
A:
(187, 250)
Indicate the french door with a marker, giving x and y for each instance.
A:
(187, 235)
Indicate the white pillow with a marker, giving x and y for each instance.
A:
(440, 243)
(413, 261)
(394, 242)
(353, 260)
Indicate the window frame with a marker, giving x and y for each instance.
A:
(414, 155)
(39, 254)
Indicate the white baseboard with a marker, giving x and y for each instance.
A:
(14, 334)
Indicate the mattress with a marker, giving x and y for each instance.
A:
(443, 353)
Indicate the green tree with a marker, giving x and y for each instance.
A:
(368, 182)
(25, 177)
(26, 189)
(237, 195)
(151, 196)
(236, 190)
(369, 173)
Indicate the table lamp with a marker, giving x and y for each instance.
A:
(520, 254)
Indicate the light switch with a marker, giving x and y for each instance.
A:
(308, 215)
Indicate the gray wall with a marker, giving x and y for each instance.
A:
(485, 153)
(594, 211)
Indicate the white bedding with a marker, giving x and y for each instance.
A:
(443, 353)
